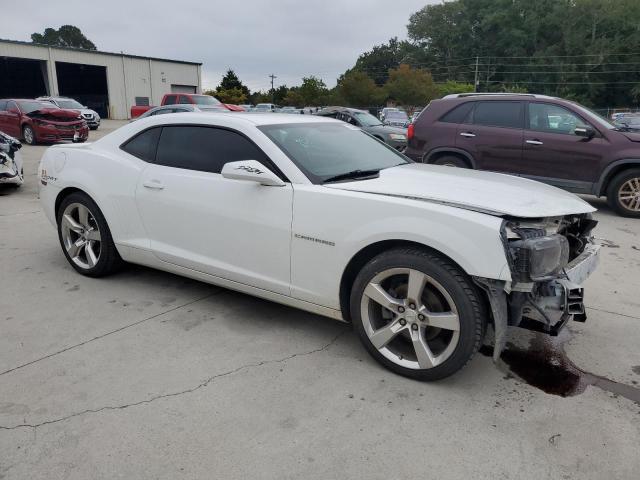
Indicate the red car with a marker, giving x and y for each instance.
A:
(36, 121)
(185, 99)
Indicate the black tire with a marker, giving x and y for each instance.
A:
(27, 132)
(93, 128)
(109, 260)
(451, 161)
(468, 301)
(619, 185)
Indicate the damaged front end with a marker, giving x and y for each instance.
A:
(10, 161)
(549, 260)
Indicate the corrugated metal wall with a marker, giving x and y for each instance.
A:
(127, 77)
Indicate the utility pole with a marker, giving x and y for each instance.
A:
(273, 92)
(475, 81)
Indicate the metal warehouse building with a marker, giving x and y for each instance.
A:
(109, 83)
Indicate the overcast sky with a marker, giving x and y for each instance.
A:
(290, 38)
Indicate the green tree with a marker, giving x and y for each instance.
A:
(585, 50)
(293, 98)
(65, 36)
(359, 90)
(377, 62)
(451, 86)
(231, 81)
(312, 90)
(410, 87)
(233, 95)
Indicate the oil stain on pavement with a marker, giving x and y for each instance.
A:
(545, 365)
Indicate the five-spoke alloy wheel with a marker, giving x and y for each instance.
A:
(623, 193)
(417, 313)
(81, 235)
(85, 237)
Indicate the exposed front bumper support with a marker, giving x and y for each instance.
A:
(547, 307)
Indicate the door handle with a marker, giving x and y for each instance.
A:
(534, 142)
(153, 184)
(467, 134)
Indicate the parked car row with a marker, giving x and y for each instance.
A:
(548, 139)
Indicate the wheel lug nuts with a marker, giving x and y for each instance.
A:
(412, 306)
(403, 322)
(414, 326)
(401, 309)
(421, 317)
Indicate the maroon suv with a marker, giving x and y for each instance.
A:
(36, 121)
(543, 138)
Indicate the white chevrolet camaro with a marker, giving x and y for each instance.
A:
(316, 214)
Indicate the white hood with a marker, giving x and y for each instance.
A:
(493, 193)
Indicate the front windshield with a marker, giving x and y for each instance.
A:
(31, 106)
(366, 119)
(72, 104)
(205, 100)
(325, 150)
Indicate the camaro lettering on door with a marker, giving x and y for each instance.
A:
(317, 240)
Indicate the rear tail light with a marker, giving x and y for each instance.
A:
(410, 132)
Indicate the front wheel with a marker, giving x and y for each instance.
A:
(623, 193)
(417, 313)
(29, 135)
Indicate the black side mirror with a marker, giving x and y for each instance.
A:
(586, 132)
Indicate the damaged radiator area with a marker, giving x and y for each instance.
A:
(549, 260)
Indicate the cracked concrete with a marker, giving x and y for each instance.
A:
(205, 383)
(149, 375)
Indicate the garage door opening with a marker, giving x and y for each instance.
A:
(22, 78)
(85, 83)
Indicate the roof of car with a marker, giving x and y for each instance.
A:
(257, 119)
(328, 110)
(495, 96)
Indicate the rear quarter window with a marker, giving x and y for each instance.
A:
(143, 145)
(457, 114)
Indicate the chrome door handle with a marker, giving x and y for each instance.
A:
(468, 134)
(534, 142)
(153, 184)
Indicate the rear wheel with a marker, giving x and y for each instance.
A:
(85, 237)
(417, 313)
(623, 193)
(29, 135)
(451, 161)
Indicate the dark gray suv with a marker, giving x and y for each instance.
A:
(395, 137)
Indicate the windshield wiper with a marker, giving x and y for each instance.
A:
(352, 174)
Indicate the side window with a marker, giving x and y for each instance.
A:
(458, 114)
(351, 120)
(170, 99)
(498, 114)
(545, 117)
(184, 99)
(144, 144)
(12, 105)
(204, 149)
(3, 105)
